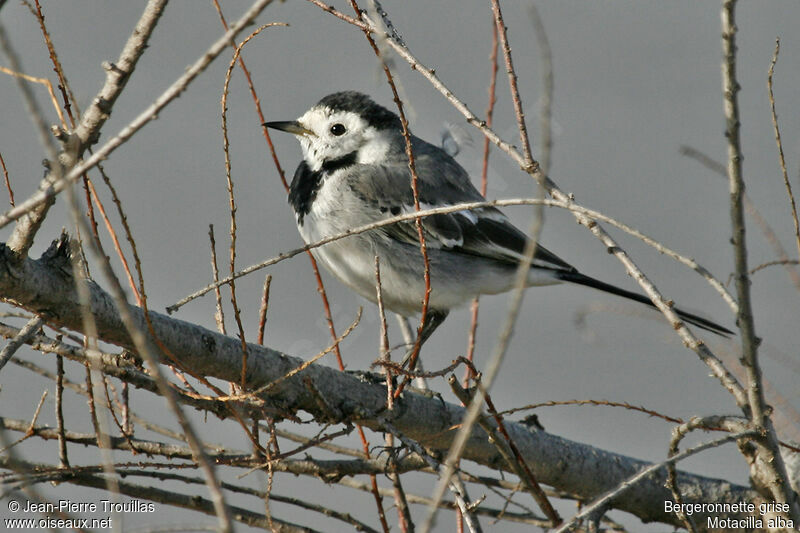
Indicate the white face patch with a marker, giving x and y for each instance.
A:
(338, 134)
(376, 145)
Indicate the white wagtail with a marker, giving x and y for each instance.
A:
(355, 172)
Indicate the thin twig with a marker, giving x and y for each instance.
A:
(778, 141)
(490, 109)
(114, 239)
(80, 275)
(231, 199)
(404, 519)
(385, 352)
(625, 405)
(768, 264)
(7, 182)
(26, 333)
(110, 406)
(401, 370)
(36, 412)
(484, 186)
(69, 99)
(262, 311)
(256, 102)
(63, 458)
(354, 21)
(42, 81)
(219, 314)
(529, 164)
(138, 291)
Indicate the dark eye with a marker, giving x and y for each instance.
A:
(338, 129)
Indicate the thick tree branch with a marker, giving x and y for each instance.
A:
(46, 287)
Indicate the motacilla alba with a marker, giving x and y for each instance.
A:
(355, 172)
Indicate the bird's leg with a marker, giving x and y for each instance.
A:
(433, 319)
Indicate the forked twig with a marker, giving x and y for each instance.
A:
(678, 433)
(43, 81)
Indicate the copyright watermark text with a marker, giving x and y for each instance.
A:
(69, 514)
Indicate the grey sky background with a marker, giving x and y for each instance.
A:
(633, 82)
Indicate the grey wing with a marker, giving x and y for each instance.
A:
(484, 232)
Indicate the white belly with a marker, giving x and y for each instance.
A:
(455, 279)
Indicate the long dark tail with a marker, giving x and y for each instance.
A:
(700, 322)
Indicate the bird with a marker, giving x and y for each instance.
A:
(355, 172)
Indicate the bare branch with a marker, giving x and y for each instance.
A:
(767, 469)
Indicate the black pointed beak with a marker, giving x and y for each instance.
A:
(289, 126)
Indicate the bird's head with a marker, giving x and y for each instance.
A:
(344, 124)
